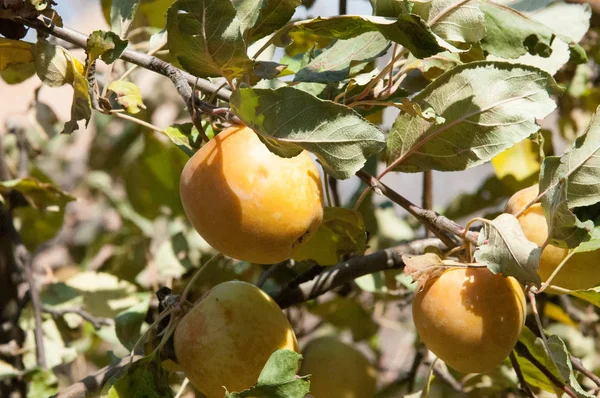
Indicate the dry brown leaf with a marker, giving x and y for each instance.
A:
(426, 266)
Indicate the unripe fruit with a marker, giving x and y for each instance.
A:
(337, 370)
(227, 338)
(581, 269)
(470, 318)
(249, 203)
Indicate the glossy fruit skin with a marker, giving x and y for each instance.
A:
(249, 203)
(470, 318)
(581, 271)
(227, 338)
(337, 370)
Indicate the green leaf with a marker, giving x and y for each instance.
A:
(37, 226)
(505, 249)
(334, 63)
(453, 20)
(205, 36)
(105, 45)
(259, 18)
(278, 379)
(152, 180)
(144, 378)
(270, 70)
(578, 166)
(408, 30)
(533, 376)
(185, 136)
(42, 383)
(128, 95)
(510, 34)
(122, 13)
(129, 322)
(487, 108)
(347, 314)
(15, 74)
(57, 352)
(341, 234)
(434, 66)
(562, 359)
(39, 195)
(390, 8)
(288, 120)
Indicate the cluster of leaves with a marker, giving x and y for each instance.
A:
(470, 78)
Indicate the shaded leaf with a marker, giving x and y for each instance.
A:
(15, 74)
(408, 30)
(505, 249)
(270, 70)
(40, 195)
(81, 109)
(185, 136)
(205, 37)
(390, 8)
(128, 323)
(289, 120)
(144, 378)
(453, 20)
(434, 66)
(278, 379)
(510, 34)
(333, 64)
(341, 234)
(487, 108)
(424, 267)
(347, 314)
(128, 95)
(152, 180)
(259, 18)
(37, 226)
(105, 45)
(562, 359)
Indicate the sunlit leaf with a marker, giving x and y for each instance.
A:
(487, 108)
(453, 20)
(128, 95)
(14, 53)
(278, 379)
(40, 195)
(424, 267)
(289, 120)
(122, 13)
(55, 66)
(533, 376)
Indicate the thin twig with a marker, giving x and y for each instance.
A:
(96, 322)
(343, 7)
(524, 386)
(144, 60)
(578, 365)
(427, 195)
(438, 224)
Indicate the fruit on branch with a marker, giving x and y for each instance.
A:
(337, 369)
(249, 203)
(579, 272)
(227, 338)
(470, 318)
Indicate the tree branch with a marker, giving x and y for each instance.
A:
(144, 60)
(436, 223)
(524, 386)
(349, 270)
(97, 323)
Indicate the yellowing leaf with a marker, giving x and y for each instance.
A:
(14, 52)
(55, 66)
(128, 96)
(553, 311)
(341, 233)
(521, 161)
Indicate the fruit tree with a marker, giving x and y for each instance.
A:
(299, 198)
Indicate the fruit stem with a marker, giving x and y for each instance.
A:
(556, 271)
(199, 272)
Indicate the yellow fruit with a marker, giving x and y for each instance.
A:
(581, 271)
(227, 338)
(249, 203)
(337, 370)
(470, 318)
